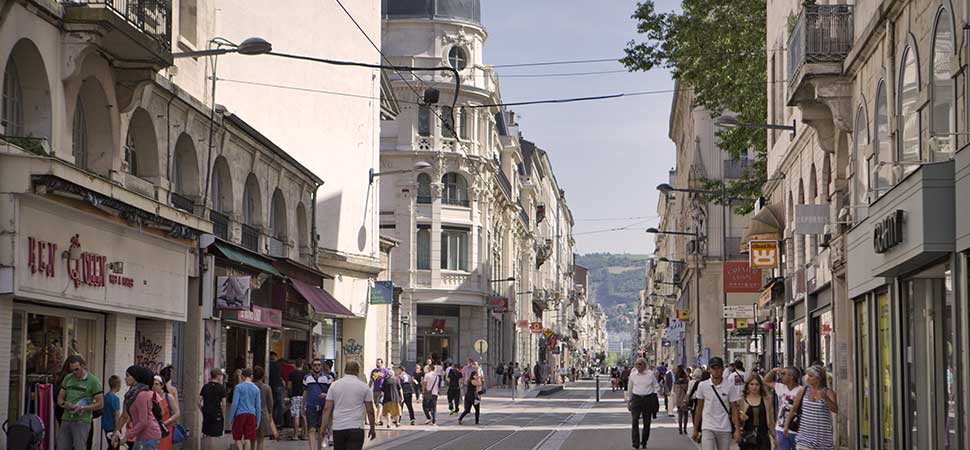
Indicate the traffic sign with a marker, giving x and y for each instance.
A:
(738, 311)
(481, 346)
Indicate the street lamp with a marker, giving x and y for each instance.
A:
(249, 46)
(731, 121)
(420, 165)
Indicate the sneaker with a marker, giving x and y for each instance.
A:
(427, 422)
(412, 422)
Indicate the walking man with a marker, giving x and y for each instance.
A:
(454, 389)
(316, 387)
(348, 399)
(642, 401)
(80, 395)
(275, 383)
(294, 383)
(787, 390)
(430, 388)
(377, 377)
(537, 371)
(246, 410)
(716, 414)
(213, 398)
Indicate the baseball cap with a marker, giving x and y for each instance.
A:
(716, 362)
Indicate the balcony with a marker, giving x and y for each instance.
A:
(250, 237)
(453, 202)
(182, 202)
(134, 31)
(504, 182)
(736, 168)
(220, 224)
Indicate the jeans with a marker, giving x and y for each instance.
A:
(715, 440)
(73, 435)
(785, 443)
(407, 403)
(146, 444)
(469, 404)
(352, 439)
(642, 406)
(430, 407)
(278, 393)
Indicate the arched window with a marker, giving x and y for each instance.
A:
(79, 132)
(185, 176)
(859, 172)
(909, 140)
(882, 149)
(303, 233)
(13, 101)
(277, 221)
(252, 208)
(423, 250)
(455, 189)
(141, 146)
(221, 186)
(457, 58)
(424, 188)
(94, 146)
(941, 64)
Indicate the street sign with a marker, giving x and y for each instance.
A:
(683, 314)
(763, 254)
(739, 311)
(382, 293)
(535, 327)
(481, 346)
(811, 219)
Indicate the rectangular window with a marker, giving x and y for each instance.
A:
(864, 392)
(188, 20)
(447, 122)
(465, 127)
(424, 120)
(454, 250)
(423, 250)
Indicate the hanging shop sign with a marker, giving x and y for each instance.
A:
(382, 293)
(888, 232)
(763, 254)
(683, 314)
(234, 293)
(547, 333)
(739, 277)
(811, 219)
(535, 327)
(258, 315)
(522, 323)
(499, 304)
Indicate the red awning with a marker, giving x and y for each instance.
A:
(321, 300)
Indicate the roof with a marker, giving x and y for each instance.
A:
(463, 10)
(262, 139)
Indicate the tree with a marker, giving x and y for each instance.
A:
(716, 48)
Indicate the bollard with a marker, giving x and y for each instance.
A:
(597, 388)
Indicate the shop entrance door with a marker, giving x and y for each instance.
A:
(434, 346)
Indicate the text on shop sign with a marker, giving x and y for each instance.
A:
(84, 268)
(888, 232)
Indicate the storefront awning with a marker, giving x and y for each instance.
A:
(766, 224)
(245, 257)
(321, 300)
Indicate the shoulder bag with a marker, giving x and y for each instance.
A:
(723, 405)
(796, 419)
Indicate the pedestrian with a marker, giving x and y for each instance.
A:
(625, 378)
(454, 378)
(245, 411)
(144, 430)
(526, 375)
(275, 382)
(407, 391)
(391, 396)
(287, 367)
(430, 393)
(112, 408)
(814, 406)
(169, 408)
(739, 376)
(473, 399)
(614, 379)
(784, 381)
(547, 373)
(642, 401)
(516, 375)
(377, 377)
(267, 425)
(695, 381)
(349, 398)
(716, 410)
(668, 385)
(756, 415)
(316, 386)
(213, 396)
(294, 384)
(537, 372)
(679, 394)
(79, 395)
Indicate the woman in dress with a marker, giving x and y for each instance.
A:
(814, 405)
(266, 427)
(170, 410)
(757, 415)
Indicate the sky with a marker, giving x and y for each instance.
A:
(608, 155)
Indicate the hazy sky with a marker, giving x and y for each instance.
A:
(608, 155)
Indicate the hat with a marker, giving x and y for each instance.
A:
(141, 374)
(716, 362)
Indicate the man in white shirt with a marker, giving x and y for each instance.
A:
(347, 400)
(716, 414)
(642, 400)
(429, 386)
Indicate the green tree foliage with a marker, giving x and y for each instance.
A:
(717, 48)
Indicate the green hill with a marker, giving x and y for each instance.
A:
(615, 284)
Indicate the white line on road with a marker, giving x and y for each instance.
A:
(557, 438)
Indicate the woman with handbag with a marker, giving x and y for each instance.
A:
(680, 399)
(757, 415)
(170, 411)
(812, 412)
(266, 426)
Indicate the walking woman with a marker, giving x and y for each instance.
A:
(408, 387)
(680, 399)
(266, 426)
(170, 410)
(814, 405)
(143, 432)
(757, 415)
(473, 397)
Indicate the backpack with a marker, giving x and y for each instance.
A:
(25, 434)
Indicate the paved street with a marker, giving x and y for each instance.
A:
(568, 420)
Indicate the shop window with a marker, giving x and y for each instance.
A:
(951, 339)
(909, 123)
(885, 375)
(454, 250)
(800, 344)
(941, 88)
(863, 375)
(423, 251)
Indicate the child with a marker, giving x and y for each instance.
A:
(112, 409)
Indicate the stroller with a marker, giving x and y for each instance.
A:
(25, 434)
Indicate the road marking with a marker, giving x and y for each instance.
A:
(557, 438)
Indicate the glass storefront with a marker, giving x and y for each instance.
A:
(437, 333)
(800, 344)
(951, 325)
(822, 345)
(884, 316)
(863, 374)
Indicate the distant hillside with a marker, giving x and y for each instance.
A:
(615, 284)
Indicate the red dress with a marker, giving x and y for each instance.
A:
(166, 442)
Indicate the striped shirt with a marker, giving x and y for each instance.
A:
(815, 430)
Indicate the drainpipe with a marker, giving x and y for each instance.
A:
(313, 224)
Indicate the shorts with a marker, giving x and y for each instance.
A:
(296, 406)
(244, 427)
(213, 425)
(378, 396)
(392, 409)
(314, 415)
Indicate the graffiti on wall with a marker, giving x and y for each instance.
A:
(353, 351)
(147, 353)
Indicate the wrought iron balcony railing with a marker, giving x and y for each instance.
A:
(220, 224)
(182, 202)
(153, 18)
(822, 34)
(250, 237)
(504, 182)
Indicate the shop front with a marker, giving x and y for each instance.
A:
(908, 335)
(961, 283)
(85, 284)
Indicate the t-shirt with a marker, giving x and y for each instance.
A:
(716, 417)
(316, 385)
(454, 380)
(786, 397)
(407, 383)
(378, 376)
(274, 374)
(212, 394)
(349, 394)
(430, 379)
(296, 382)
(80, 392)
(737, 378)
(391, 390)
(111, 404)
(285, 371)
